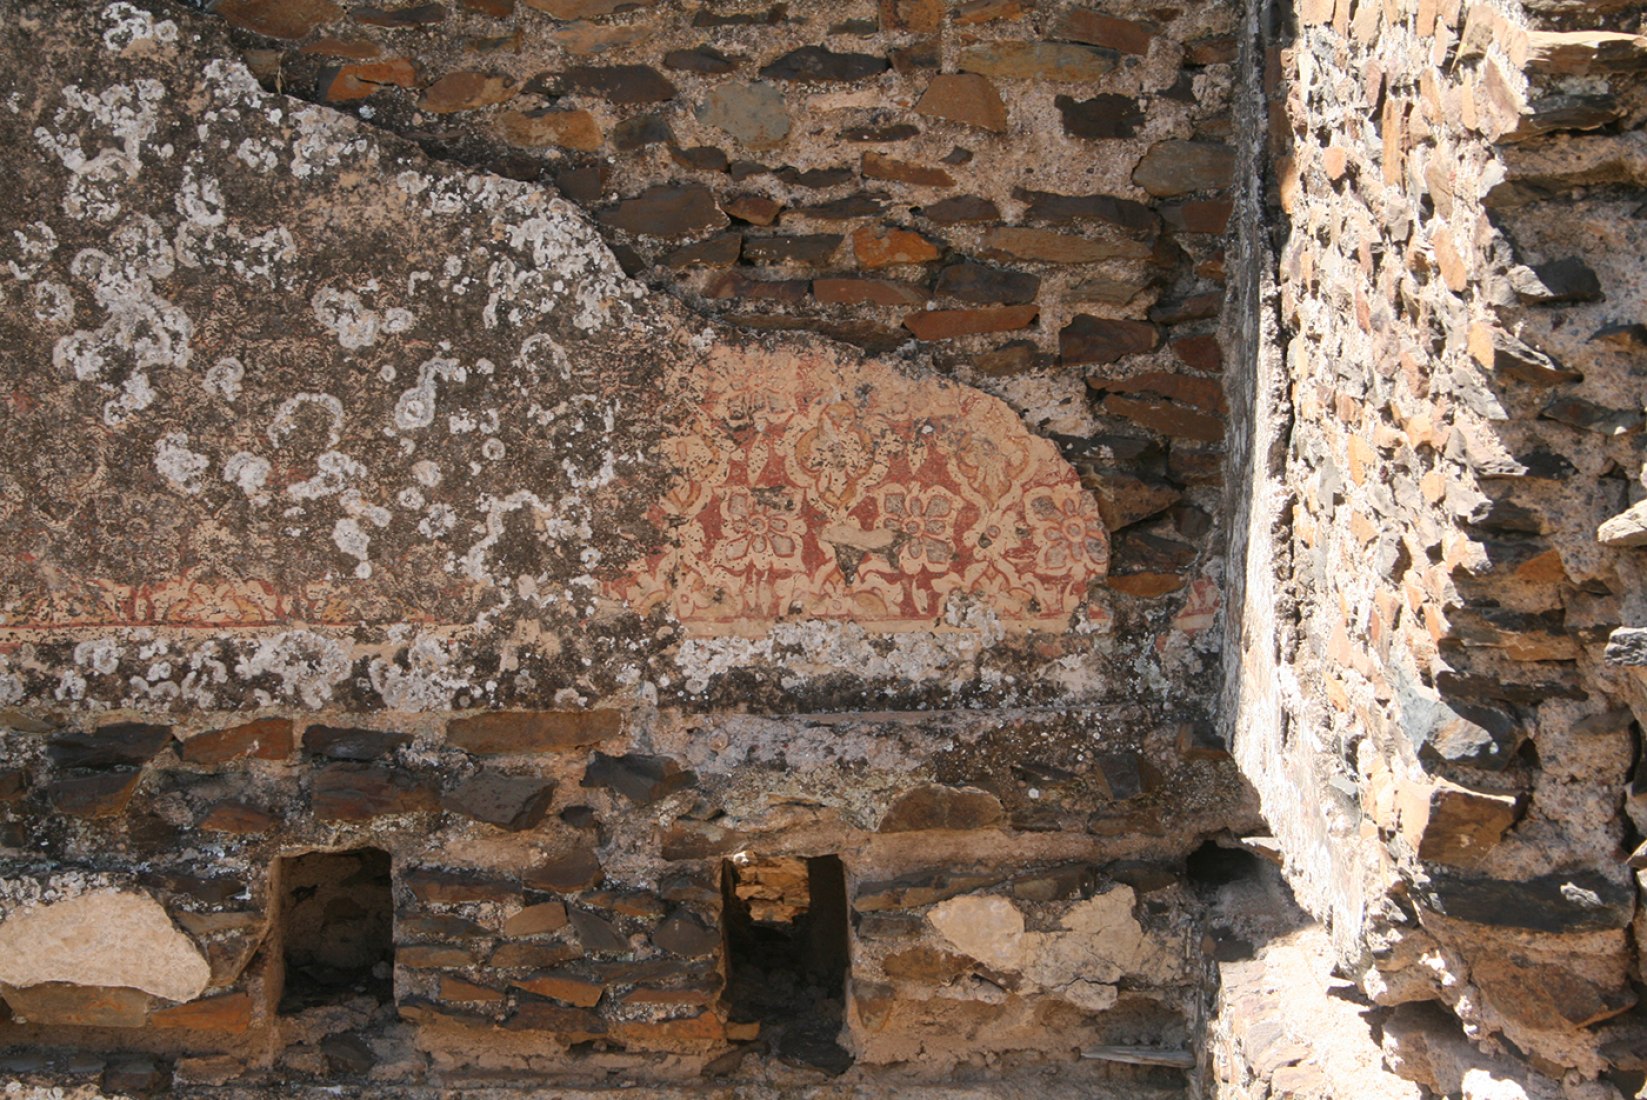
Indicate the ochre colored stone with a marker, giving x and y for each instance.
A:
(946, 324)
(465, 91)
(573, 991)
(939, 807)
(499, 733)
(65, 1005)
(967, 98)
(536, 920)
(359, 792)
(265, 738)
(878, 166)
(537, 129)
(1181, 167)
(289, 19)
(1096, 29)
(231, 1012)
(462, 990)
(884, 247)
(577, 870)
(359, 79)
(877, 292)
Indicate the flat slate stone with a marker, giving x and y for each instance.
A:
(985, 285)
(1088, 339)
(358, 792)
(816, 64)
(683, 934)
(1101, 117)
(1182, 167)
(664, 211)
(349, 743)
(101, 795)
(1055, 209)
(513, 802)
(968, 98)
(625, 84)
(120, 744)
(641, 779)
(1577, 901)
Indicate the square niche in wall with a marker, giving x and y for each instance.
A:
(337, 928)
(787, 953)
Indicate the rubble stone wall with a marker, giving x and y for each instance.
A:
(1432, 656)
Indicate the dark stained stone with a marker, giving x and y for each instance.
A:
(349, 743)
(415, 15)
(439, 926)
(1217, 50)
(1060, 882)
(1198, 215)
(735, 284)
(901, 131)
(118, 745)
(927, 964)
(639, 132)
(513, 802)
(101, 795)
(1051, 208)
(690, 887)
(584, 183)
(14, 783)
(683, 934)
(754, 209)
(812, 249)
(939, 807)
(568, 1024)
(639, 778)
(815, 179)
(1180, 167)
(700, 158)
(497, 733)
(136, 1075)
(861, 205)
(536, 956)
(1125, 775)
(1088, 339)
(358, 792)
(1199, 352)
(453, 887)
(1196, 307)
(703, 59)
(984, 284)
(817, 64)
(577, 870)
(1102, 116)
(265, 738)
(627, 84)
(961, 208)
(920, 888)
(596, 935)
(721, 250)
(664, 211)
(1561, 902)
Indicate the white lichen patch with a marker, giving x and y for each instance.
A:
(356, 323)
(428, 679)
(309, 667)
(182, 468)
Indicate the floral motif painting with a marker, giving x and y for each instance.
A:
(813, 488)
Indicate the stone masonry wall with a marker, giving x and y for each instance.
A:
(1440, 608)
(359, 502)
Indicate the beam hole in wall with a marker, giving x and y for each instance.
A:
(787, 953)
(337, 928)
